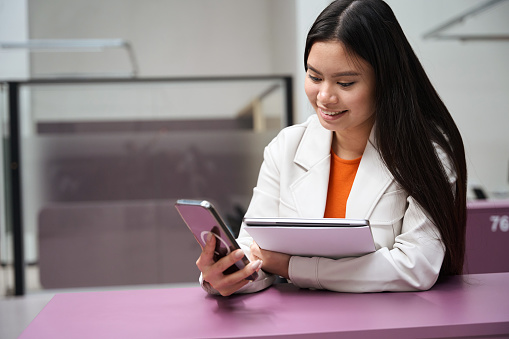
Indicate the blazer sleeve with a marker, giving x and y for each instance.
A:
(413, 263)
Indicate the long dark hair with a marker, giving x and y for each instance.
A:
(410, 116)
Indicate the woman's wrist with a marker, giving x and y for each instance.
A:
(277, 263)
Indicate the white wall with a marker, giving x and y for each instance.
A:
(13, 27)
(170, 38)
(306, 13)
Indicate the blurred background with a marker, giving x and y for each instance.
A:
(126, 106)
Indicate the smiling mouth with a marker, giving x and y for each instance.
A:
(331, 113)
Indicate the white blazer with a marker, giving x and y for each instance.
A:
(293, 182)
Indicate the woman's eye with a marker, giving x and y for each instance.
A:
(315, 79)
(345, 84)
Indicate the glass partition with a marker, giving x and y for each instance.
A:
(104, 161)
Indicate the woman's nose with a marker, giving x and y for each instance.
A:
(326, 95)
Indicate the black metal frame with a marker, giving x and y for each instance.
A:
(15, 187)
(16, 214)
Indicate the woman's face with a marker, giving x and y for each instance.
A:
(341, 89)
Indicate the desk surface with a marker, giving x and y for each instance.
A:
(461, 306)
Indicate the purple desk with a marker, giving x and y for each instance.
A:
(475, 305)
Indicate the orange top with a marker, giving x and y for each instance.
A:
(342, 174)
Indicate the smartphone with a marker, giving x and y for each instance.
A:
(202, 218)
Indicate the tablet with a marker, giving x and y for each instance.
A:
(202, 218)
(327, 237)
(305, 222)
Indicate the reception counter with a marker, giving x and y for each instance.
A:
(460, 306)
(487, 245)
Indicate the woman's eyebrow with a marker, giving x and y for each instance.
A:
(335, 75)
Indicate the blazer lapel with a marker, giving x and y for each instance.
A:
(310, 189)
(313, 154)
(370, 183)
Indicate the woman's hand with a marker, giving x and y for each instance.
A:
(273, 262)
(212, 272)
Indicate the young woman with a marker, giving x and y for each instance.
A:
(382, 146)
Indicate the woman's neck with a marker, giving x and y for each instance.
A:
(349, 146)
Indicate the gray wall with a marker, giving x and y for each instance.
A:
(172, 37)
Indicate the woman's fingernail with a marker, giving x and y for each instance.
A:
(257, 265)
(238, 254)
(209, 236)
